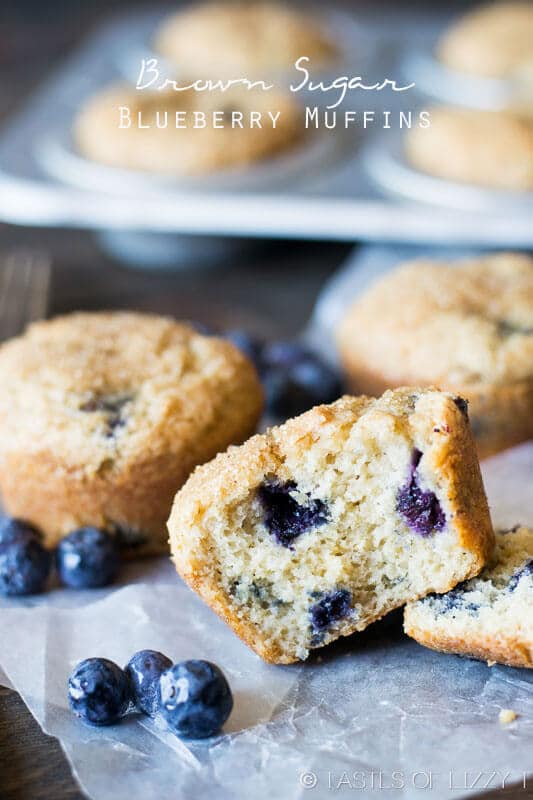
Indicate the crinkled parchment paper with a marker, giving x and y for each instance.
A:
(376, 708)
(372, 712)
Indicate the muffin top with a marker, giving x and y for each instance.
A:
(99, 391)
(494, 41)
(239, 39)
(186, 150)
(486, 148)
(460, 324)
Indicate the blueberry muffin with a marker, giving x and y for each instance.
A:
(242, 40)
(186, 151)
(488, 617)
(484, 148)
(466, 327)
(317, 528)
(492, 41)
(104, 415)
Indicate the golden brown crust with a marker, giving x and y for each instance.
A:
(457, 463)
(231, 476)
(59, 466)
(500, 416)
(507, 649)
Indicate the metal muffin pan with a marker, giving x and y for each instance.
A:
(385, 162)
(456, 88)
(322, 191)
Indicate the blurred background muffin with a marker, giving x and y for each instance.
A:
(242, 39)
(485, 148)
(464, 326)
(186, 150)
(493, 41)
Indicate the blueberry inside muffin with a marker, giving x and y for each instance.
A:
(315, 529)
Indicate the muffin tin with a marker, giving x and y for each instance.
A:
(343, 185)
(471, 91)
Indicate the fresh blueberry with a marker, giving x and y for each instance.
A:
(420, 509)
(24, 565)
(144, 670)
(284, 354)
(12, 529)
(87, 558)
(249, 345)
(195, 699)
(525, 570)
(285, 517)
(295, 379)
(332, 607)
(99, 691)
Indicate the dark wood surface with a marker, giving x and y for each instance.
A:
(269, 288)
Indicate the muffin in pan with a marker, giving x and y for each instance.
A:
(488, 617)
(104, 415)
(492, 41)
(163, 132)
(323, 525)
(240, 39)
(491, 149)
(465, 326)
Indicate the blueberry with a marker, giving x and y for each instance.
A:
(285, 517)
(24, 564)
(113, 408)
(525, 570)
(195, 699)
(420, 509)
(462, 405)
(87, 558)
(249, 345)
(144, 670)
(332, 607)
(284, 354)
(295, 379)
(454, 600)
(12, 528)
(99, 691)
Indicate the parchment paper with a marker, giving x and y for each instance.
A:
(376, 707)
(374, 715)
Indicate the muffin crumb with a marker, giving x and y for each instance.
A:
(507, 715)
